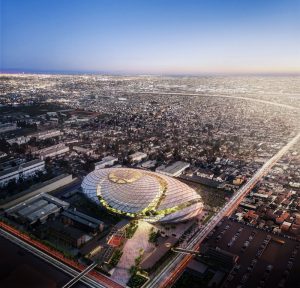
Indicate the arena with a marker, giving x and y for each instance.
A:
(142, 194)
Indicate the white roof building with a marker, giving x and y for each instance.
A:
(23, 170)
(173, 170)
(52, 151)
(142, 194)
(47, 134)
(106, 162)
(137, 156)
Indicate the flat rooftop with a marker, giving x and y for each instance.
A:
(175, 167)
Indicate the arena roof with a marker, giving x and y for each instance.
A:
(142, 194)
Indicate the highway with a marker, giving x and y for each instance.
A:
(58, 264)
(55, 258)
(223, 96)
(80, 275)
(185, 251)
(168, 275)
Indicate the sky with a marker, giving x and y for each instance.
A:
(151, 36)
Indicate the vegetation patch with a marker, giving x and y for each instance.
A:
(116, 258)
(153, 236)
(131, 228)
(137, 280)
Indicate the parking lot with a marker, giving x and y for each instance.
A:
(265, 260)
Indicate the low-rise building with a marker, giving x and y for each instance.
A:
(174, 170)
(67, 234)
(82, 221)
(2, 154)
(148, 164)
(83, 150)
(47, 134)
(137, 156)
(5, 127)
(19, 140)
(38, 208)
(23, 170)
(107, 161)
(52, 151)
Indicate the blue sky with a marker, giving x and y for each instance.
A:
(151, 36)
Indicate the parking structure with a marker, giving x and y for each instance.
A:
(265, 259)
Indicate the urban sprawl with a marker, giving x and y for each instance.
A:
(199, 140)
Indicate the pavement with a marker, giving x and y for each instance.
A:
(275, 254)
(131, 251)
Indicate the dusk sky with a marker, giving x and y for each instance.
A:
(166, 36)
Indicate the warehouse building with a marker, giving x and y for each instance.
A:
(23, 170)
(52, 151)
(47, 134)
(174, 170)
(66, 234)
(107, 161)
(137, 156)
(82, 221)
(5, 127)
(37, 209)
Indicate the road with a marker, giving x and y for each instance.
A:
(80, 275)
(223, 96)
(94, 279)
(68, 270)
(168, 275)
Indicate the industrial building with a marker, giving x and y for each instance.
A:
(5, 127)
(107, 161)
(82, 221)
(19, 140)
(37, 209)
(52, 151)
(47, 134)
(68, 235)
(137, 156)
(23, 170)
(43, 187)
(173, 170)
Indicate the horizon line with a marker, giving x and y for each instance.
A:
(123, 73)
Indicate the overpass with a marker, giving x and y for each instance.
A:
(185, 251)
(70, 267)
(80, 275)
(51, 260)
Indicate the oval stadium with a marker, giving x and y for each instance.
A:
(142, 194)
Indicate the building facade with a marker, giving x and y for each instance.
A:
(23, 170)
